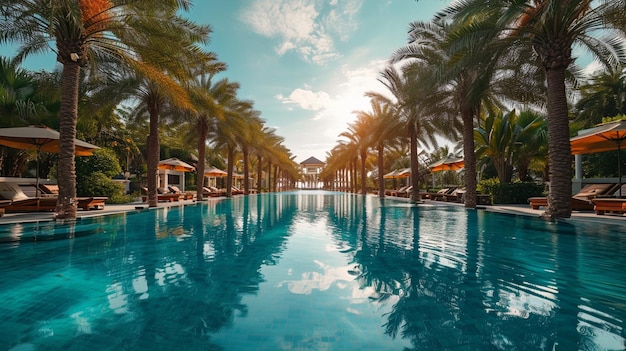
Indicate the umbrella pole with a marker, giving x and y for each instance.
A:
(37, 171)
(619, 166)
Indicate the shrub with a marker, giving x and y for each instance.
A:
(509, 193)
(103, 160)
(99, 184)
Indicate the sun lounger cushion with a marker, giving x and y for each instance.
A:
(592, 190)
(12, 191)
(49, 188)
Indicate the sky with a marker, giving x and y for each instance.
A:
(306, 64)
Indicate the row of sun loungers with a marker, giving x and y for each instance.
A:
(14, 198)
(174, 194)
(600, 198)
(212, 191)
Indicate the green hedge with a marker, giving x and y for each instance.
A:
(510, 193)
(99, 184)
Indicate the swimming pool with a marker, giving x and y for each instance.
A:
(312, 271)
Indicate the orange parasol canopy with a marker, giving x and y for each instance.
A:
(447, 164)
(603, 137)
(174, 164)
(214, 172)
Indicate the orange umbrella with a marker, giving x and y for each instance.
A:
(40, 138)
(447, 165)
(174, 164)
(603, 137)
(214, 172)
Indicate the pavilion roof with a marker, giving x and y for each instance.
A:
(312, 161)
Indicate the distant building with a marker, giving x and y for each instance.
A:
(311, 168)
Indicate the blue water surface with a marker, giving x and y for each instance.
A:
(312, 271)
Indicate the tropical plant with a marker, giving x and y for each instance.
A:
(500, 136)
(146, 36)
(360, 135)
(412, 87)
(549, 29)
(604, 95)
(383, 126)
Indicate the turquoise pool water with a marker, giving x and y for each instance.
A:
(312, 271)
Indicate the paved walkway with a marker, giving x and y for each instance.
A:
(587, 216)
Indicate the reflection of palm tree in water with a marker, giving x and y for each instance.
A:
(463, 302)
(217, 264)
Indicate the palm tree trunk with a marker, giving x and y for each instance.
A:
(354, 175)
(246, 171)
(381, 165)
(414, 163)
(68, 115)
(259, 173)
(363, 178)
(229, 177)
(203, 127)
(153, 154)
(269, 176)
(559, 148)
(469, 157)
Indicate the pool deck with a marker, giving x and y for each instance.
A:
(526, 210)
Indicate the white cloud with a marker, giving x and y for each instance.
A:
(307, 27)
(306, 99)
(333, 107)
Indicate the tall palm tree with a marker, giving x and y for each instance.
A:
(212, 99)
(359, 134)
(550, 29)
(227, 131)
(460, 82)
(383, 125)
(246, 139)
(145, 35)
(411, 89)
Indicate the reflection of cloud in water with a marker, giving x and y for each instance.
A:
(318, 281)
(341, 277)
(310, 281)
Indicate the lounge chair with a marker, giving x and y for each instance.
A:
(20, 202)
(210, 192)
(400, 191)
(162, 195)
(85, 203)
(3, 204)
(455, 196)
(236, 191)
(441, 194)
(176, 190)
(581, 201)
(602, 205)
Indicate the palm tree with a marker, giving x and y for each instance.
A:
(246, 139)
(212, 99)
(603, 96)
(227, 131)
(359, 134)
(550, 29)
(146, 36)
(500, 136)
(461, 81)
(383, 125)
(412, 88)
